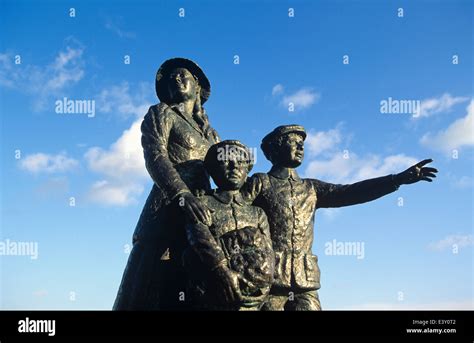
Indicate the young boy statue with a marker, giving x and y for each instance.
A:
(290, 204)
(230, 259)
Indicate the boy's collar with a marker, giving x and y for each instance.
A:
(284, 173)
(226, 197)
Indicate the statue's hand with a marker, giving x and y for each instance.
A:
(199, 192)
(227, 283)
(417, 173)
(195, 209)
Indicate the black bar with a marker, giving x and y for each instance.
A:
(324, 323)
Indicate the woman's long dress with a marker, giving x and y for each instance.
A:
(174, 147)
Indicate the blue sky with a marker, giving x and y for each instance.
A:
(418, 255)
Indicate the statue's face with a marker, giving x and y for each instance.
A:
(291, 151)
(182, 85)
(231, 170)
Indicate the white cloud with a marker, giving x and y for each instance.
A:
(445, 103)
(460, 181)
(112, 24)
(303, 98)
(464, 182)
(8, 75)
(119, 100)
(332, 164)
(338, 169)
(277, 89)
(123, 159)
(321, 141)
(114, 194)
(45, 163)
(461, 241)
(43, 82)
(122, 164)
(67, 68)
(457, 135)
(330, 213)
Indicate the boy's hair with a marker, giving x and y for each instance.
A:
(272, 142)
(212, 155)
(271, 147)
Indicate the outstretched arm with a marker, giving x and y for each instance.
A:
(333, 195)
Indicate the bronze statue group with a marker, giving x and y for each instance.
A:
(245, 245)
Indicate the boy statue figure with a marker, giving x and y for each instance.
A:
(290, 204)
(230, 260)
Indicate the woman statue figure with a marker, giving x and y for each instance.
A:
(176, 135)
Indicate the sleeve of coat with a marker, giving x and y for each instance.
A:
(156, 127)
(204, 245)
(252, 188)
(265, 228)
(336, 195)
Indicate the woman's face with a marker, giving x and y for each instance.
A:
(181, 85)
